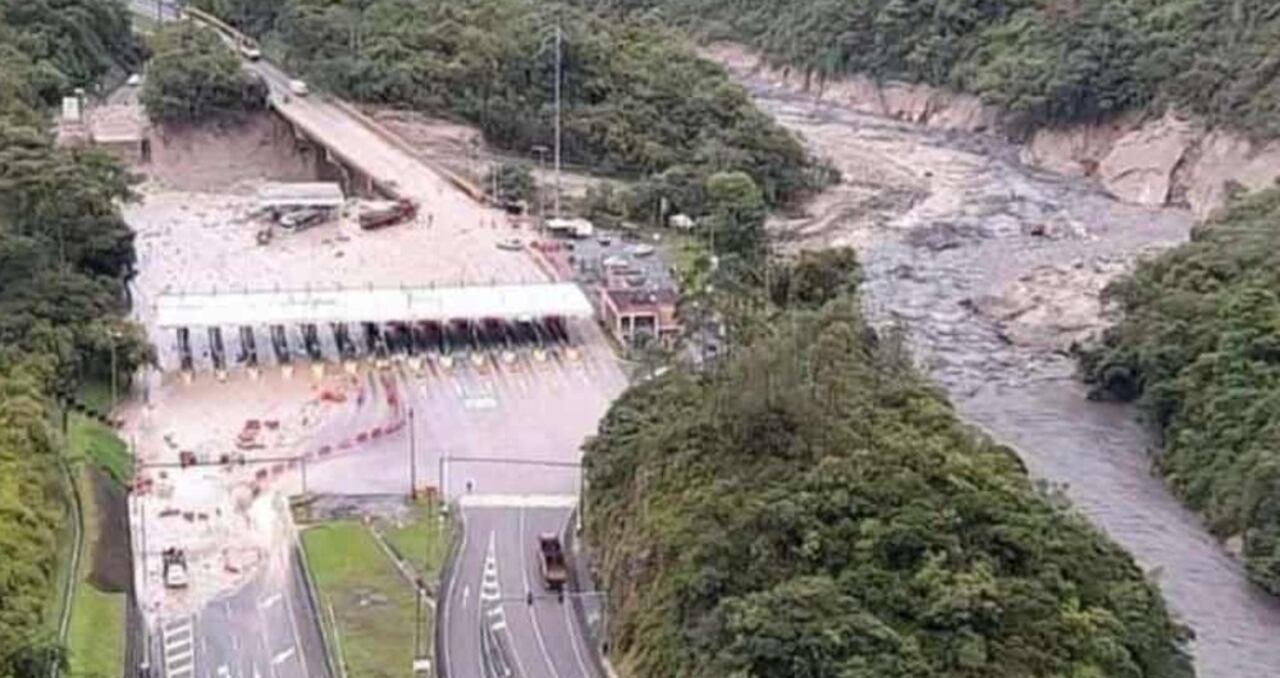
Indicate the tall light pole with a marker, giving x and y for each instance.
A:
(559, 66)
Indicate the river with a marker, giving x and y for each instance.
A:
(942, 219)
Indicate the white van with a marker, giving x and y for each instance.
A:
(299, 88)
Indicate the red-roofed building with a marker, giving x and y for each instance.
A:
(630, 313)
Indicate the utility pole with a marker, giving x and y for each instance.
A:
(413, 461)
(114, 334)
(559, 66)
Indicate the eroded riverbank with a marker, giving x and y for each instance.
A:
(994, 270)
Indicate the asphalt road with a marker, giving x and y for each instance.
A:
(151, 9)
(488, 628)
(264, 630)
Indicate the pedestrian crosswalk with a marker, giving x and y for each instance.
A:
(179, 648)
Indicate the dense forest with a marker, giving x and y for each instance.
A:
(1044, 61)
(1199, 347)
(636, 100)
(812, 507)
(65, 255)
(193, 77)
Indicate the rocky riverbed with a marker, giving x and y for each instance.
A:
(995, 270)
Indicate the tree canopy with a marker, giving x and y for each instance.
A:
(813, 507)
(65, 257)
(1044, 62)
(636, 100)
(194, 77)
(1199, 348)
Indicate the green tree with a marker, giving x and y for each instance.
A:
(194, 77)
(736, 211)
(812, 507)
(1199, 348)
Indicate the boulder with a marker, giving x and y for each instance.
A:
(1226, 158)
(1140, 167)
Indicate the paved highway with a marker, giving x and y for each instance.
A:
(264, 630)
(487, 627)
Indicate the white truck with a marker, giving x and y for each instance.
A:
(576, 228)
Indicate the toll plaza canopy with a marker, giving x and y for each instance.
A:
(505, 302)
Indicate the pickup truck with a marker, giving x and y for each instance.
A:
(555, 572)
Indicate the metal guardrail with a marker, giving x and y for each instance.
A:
(313, 607)
(73, 570)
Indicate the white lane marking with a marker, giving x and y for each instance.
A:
(235, 642)
(574, 637)
(179, 648)
(269, 601)
(499, 625)
(297, 638)
(533, 616)
(490, 587)
(284, 656)
(466, 595)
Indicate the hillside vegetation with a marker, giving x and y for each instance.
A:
(636, 100)
(813, 508)
(1044, 61)
(64, 257)
(193, 77)
(1199, 347)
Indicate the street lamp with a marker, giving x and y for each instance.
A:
(413, 461)
(114, 335)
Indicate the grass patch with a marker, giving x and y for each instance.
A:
(95, 394)
(686, 255)
(95, 639)
(96, 443)
(423, 540)
(373, 608)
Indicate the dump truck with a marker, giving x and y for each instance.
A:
(555, 572)
(386, 213)
(175, 568)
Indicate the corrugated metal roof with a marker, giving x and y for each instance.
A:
(301, 194)
(510, 302)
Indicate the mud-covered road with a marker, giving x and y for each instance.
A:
(994, 269)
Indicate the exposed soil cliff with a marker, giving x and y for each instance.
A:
(1146, 160)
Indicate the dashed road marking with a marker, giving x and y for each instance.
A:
(269, 601)
(284, 656)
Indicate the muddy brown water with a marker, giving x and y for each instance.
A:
(940, 218)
